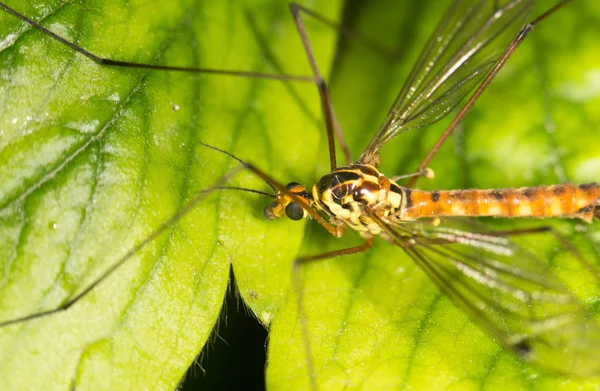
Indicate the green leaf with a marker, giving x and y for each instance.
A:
(93, 159)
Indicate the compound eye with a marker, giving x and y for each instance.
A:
(294, 211)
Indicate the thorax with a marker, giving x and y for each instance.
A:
(349, 194)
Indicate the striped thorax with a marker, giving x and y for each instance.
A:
(346, 193)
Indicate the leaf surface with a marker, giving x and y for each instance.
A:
(94, 159)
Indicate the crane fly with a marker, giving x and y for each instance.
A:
(502, 286)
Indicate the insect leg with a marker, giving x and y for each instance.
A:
(428, 173)
(371, 44)
(69, 302)
(333, 128)
(126, 64)
(546, 229)
(298, 262)
(488, 79)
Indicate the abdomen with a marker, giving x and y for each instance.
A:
(567, 200)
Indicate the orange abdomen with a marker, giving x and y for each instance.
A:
(568, 200)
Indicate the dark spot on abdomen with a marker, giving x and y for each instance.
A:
(588, 186)
(495, 194)
(529, 193)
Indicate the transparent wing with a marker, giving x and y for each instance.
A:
(468, 42)
(507, 290)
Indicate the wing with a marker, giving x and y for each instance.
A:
(506, 290)
(471, 38)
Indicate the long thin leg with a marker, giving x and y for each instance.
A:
(546, 229)
(332, 125)
(333, 128)
(371, 44)
(300, 296)
(461, 114)
(127, 64)
(201, 195)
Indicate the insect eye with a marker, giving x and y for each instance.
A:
(294, 211)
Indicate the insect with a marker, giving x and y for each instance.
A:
(524, 344)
